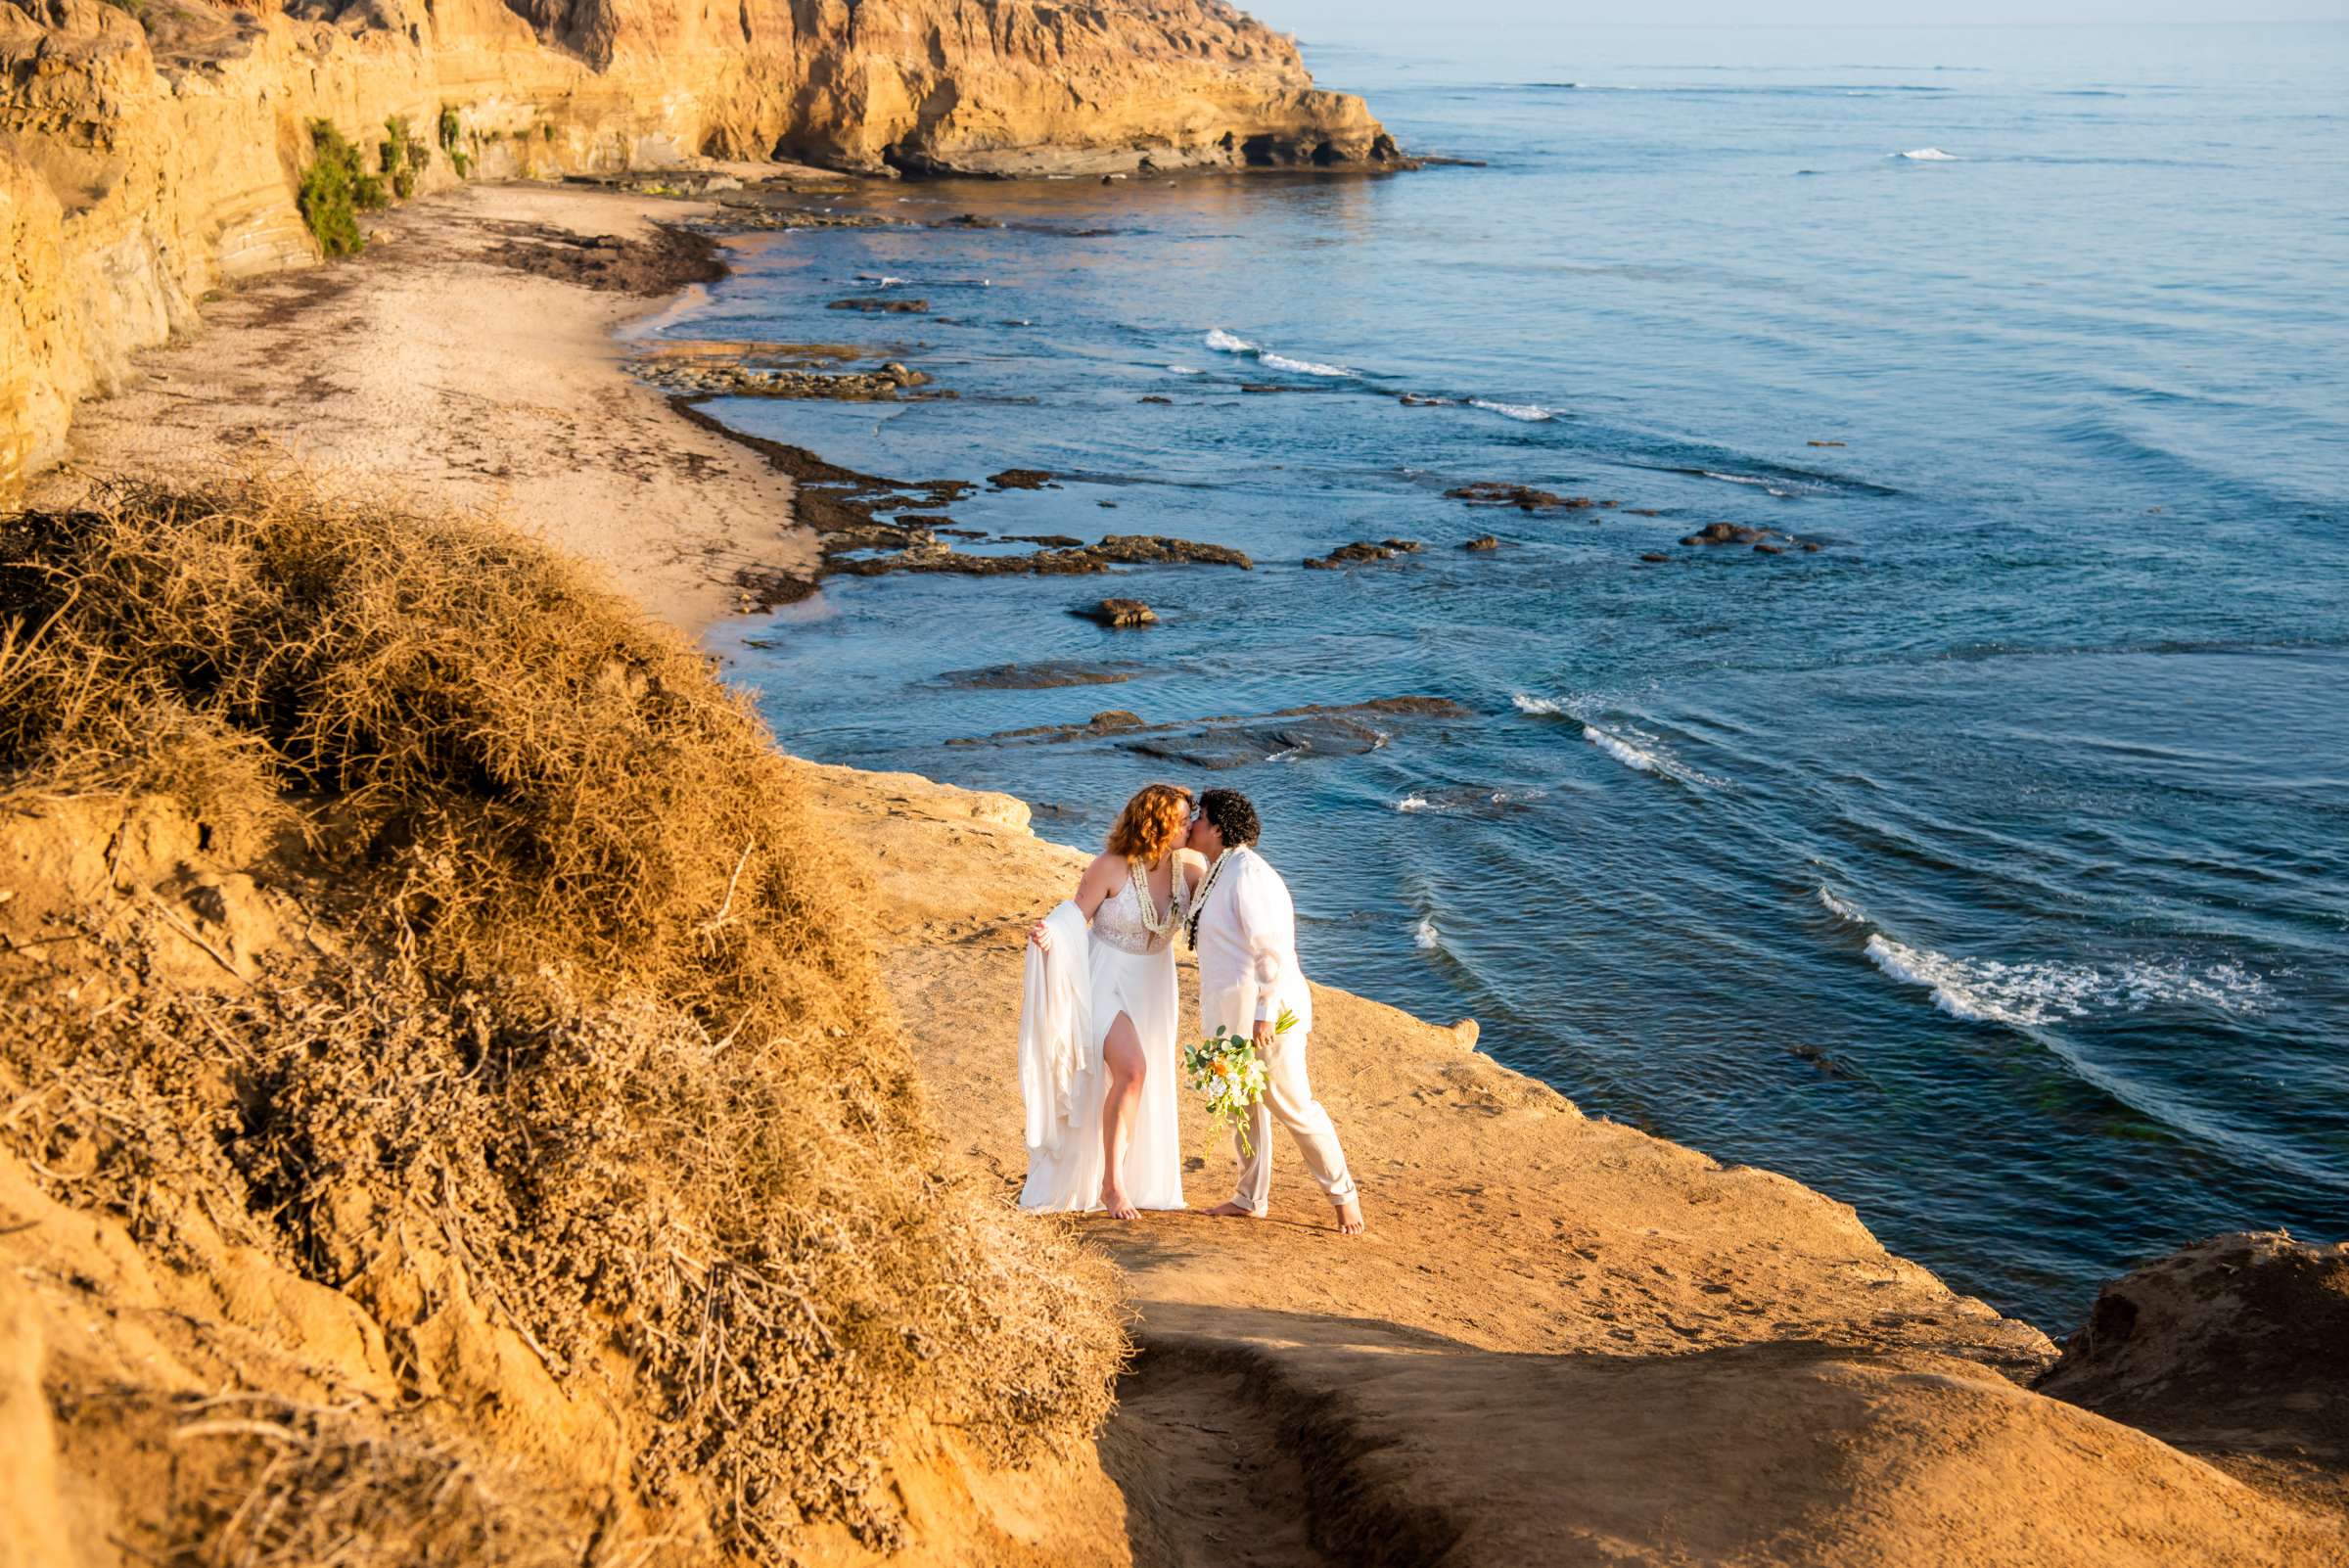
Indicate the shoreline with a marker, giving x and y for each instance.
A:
(373, 370)
(1554, 1318)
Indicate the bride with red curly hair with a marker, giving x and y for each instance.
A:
(1097, 1026)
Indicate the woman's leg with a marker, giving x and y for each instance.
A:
(1121, 1054)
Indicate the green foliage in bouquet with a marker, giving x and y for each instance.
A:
(1229, 1073)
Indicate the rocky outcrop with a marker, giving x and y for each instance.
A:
(151, 151)
(2238, 1345)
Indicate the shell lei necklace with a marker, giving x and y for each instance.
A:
(1207, 884)
(1156, 924)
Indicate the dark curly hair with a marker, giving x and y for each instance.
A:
(1231, 815)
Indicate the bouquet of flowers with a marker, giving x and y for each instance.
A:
(1228, 1071)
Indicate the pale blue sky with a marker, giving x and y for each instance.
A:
(1361, 21)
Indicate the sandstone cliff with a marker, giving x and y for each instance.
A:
(150, 150)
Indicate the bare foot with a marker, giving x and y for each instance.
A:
(1115, 1202)
(1235, 1210)
(1350, 1217)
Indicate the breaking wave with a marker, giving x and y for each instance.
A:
(1841, 908)
(1530, 413)
(2027, 994)
(1225, 342)
(1927, 155)
(1425, 937)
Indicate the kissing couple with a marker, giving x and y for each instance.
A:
(1098, 1015)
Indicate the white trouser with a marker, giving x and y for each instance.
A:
(1289, 1099)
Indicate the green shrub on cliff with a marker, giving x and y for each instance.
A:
(335, 189)
(402, 155)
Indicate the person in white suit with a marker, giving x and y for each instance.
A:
(1243, 926)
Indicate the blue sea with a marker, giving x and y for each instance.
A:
(1987, 867)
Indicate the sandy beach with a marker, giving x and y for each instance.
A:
(425, 365)
(1563, 1340)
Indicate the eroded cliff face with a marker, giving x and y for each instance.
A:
(150, 150)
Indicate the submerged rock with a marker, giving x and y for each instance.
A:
(1237, 740)
(894, 307)
(1045, 675)
(1482, 541)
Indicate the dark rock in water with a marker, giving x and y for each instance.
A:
(1655, 557)
(1235, 741)
(1047, 675)
(1731, 534)
(704, 379)
(1482, 541)
(758, 589)
(1416, 400)
(1156, 549)
(1055, 541)
(1524, 497)
(1822, 443)
(962, 534)
(1644, 511)
(1811, 547)
(1220, 747)
(2234, 1346)
(1117, 612)
(1115, 718)
(1402, 546)
(1107, 506)
(1819, 1056)
(1022, 479)
(1767, 548)
(1348, 554)
(894, 307)
(1154, 398)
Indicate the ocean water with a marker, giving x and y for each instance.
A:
(1987, 868)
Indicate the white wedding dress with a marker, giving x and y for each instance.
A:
(1075, 992)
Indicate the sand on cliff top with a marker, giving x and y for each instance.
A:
(1563, 1340)
(428, 365)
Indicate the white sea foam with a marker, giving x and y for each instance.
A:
(879, 280)
(1412, 803)
(1300, 367)
(1841, 908)
(1225, 342)
(1425, 935)
(1540, 705)
(1763, 484)
(1530, 413)
(1929, 155)
(1624, 751)
(1989, 990)
(1186, 370)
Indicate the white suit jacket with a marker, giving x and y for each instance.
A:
(1248, 949)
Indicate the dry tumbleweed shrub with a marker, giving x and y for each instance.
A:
(600, 1019)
